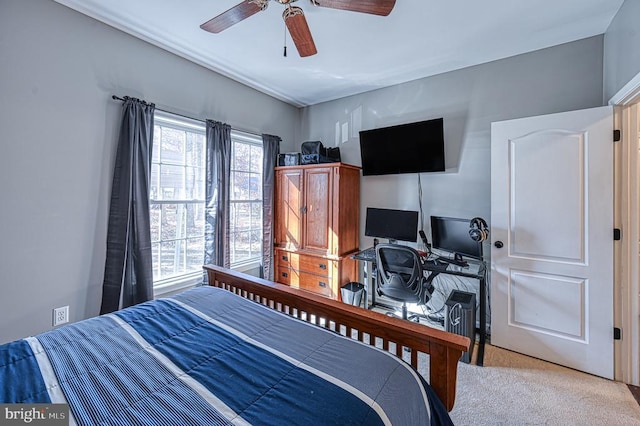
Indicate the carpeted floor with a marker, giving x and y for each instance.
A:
(513, 389)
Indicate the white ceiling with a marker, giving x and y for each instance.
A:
(356, 52)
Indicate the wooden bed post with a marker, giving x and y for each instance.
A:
(444, 349)
(443, 371)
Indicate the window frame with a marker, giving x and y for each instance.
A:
(250, 139)
(176, 283)
(165, 286)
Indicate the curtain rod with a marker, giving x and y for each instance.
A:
(117, 98)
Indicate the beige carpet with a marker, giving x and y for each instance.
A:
(513, 389)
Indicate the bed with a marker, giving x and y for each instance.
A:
(240, 351)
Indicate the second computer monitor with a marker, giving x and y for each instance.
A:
(392, 224)
(452, 234)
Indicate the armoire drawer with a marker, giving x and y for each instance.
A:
(283, 258)
(316, 284)
(283, 275)
(306, 263)
(303, 280)
(315, 265)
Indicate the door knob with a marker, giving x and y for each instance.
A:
(498, 244)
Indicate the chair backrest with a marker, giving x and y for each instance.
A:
(400, 272)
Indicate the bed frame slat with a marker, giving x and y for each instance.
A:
(444, 349)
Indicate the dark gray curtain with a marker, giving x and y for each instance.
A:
(128, 273)
(216, 233)
(270, 151)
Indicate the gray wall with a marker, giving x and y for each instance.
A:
(58, 125)
(621, 52)
(561, 78)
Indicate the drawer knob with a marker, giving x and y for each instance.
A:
(322, 284)
(285, 258)
(284, 274)
(322, 266)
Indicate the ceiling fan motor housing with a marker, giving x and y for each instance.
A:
(291, 11)
(262, 4)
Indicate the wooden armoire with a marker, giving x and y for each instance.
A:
(316, 224)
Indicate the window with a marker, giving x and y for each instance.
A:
(246, 200)
(177, 201)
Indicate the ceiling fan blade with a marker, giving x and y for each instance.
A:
(234, 15)
(299, 29)
(374, 7)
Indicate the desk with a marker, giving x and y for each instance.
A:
(476, 270)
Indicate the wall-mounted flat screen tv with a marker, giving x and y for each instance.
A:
(405, 148)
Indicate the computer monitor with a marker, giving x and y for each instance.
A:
(452, 234)
(392, 224)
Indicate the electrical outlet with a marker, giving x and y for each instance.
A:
(60, 316)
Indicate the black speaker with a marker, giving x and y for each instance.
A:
(478, 229)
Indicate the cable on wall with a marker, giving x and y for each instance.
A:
(420, 201)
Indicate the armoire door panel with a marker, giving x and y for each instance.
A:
(289, 208)
(317, 218)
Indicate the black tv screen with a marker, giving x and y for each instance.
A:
(405, 148)
(392, 224)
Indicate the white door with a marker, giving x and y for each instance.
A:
(552, 212)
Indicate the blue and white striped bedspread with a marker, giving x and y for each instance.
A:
(209, 357)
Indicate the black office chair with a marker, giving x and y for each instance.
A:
(401, 277)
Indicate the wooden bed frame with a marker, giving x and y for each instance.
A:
(444, 349)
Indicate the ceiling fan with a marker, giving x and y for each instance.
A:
(294, 17)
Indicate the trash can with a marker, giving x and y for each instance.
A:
(352, 293)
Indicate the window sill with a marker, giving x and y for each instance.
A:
(174, 285)
(247, 267)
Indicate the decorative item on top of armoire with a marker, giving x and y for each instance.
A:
(314, 152)
(317, 212)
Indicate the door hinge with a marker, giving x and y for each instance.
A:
(617, 135)
(617, 234)
(617, 333)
